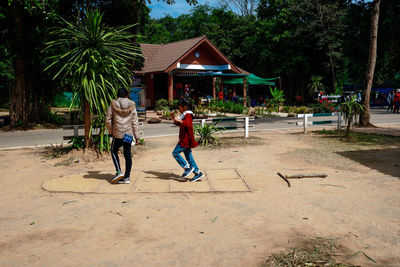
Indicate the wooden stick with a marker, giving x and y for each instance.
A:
(284, 178)
(306, 175)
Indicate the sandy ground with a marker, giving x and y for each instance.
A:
(358, 203)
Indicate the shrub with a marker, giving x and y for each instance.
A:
(173, 104)
(161, 104)
(207, 134)
(51, 117)
(77, 142)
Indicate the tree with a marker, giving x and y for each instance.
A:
(324, 21)
(245, 7)
(316, 84)
(97, 61)
(364, 117)
(351, 109)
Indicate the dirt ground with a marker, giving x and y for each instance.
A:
(358, 204)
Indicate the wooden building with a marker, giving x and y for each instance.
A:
(169, 67)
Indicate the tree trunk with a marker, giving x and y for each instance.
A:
(18, 114)
(18, 101)
(333, 72)
(88, 123)
(364, 116)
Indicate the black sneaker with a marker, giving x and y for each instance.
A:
(187, 172)
(197, 176)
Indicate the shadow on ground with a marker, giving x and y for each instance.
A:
(98, 175)
(386, 161)
(165, 176)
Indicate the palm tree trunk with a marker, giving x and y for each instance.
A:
(365, 116)
(88, 123)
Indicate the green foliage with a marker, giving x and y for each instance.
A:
(161, 104)
(316, 85)
(173, 104)
(226, 106)
(207, 134)
(298, 110)
(51, 117)
(277, 99)
(97, 60)
(77, 142)
(350, 109)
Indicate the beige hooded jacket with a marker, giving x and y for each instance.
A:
(122, 118)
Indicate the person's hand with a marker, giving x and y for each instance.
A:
(172, 115)
(137, 142)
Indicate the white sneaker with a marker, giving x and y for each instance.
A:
(118, 176)
(124, 181)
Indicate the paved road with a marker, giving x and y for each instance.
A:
(55, 136)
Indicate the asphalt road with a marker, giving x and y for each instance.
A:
(31, 138)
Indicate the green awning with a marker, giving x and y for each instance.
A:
(252, 80)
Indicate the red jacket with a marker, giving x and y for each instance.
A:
(396, 97)
(186, 135)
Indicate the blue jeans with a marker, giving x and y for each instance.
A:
(188, 155)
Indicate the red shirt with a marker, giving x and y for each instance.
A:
(186, 135)
(396, 97)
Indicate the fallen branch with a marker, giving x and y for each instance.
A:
(284, 178)
(306, 175)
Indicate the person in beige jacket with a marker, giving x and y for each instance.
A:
(122, 122)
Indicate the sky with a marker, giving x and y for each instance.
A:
(159, 8)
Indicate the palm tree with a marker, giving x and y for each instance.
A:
(96, 59)
(316, 85)
(351, 109)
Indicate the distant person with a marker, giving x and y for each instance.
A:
(396, 101)
(186, 141)
(122, 122)
(221, 95)
(187, 91)
(389, 100)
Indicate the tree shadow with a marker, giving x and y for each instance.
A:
(166, 176)
(98, 175)
(386, 161)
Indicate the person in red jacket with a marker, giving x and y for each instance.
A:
(396, 101)
(186, 141)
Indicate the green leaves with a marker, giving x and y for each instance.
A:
(97, 58)
(277, 98)
(208, 133)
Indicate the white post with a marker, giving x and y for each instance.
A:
(76, 134)
(305, 122)
(203, 121)
(246, 127)
(339, 121)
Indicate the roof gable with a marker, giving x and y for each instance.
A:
(164, 57)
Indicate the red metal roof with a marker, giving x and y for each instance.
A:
(163, 57)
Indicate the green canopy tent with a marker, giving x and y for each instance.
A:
(252, 80)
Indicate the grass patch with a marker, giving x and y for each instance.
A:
(310, 252)
(235, 141)
(361, 138)
(65, 162)
(55, 151)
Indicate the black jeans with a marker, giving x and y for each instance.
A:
(115, 145)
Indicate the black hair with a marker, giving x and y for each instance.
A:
(122, 92)
(184, 102)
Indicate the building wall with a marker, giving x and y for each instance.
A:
(207, 57)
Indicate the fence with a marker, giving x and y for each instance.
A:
(96, 130)
(242, 120)
(306, 122)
